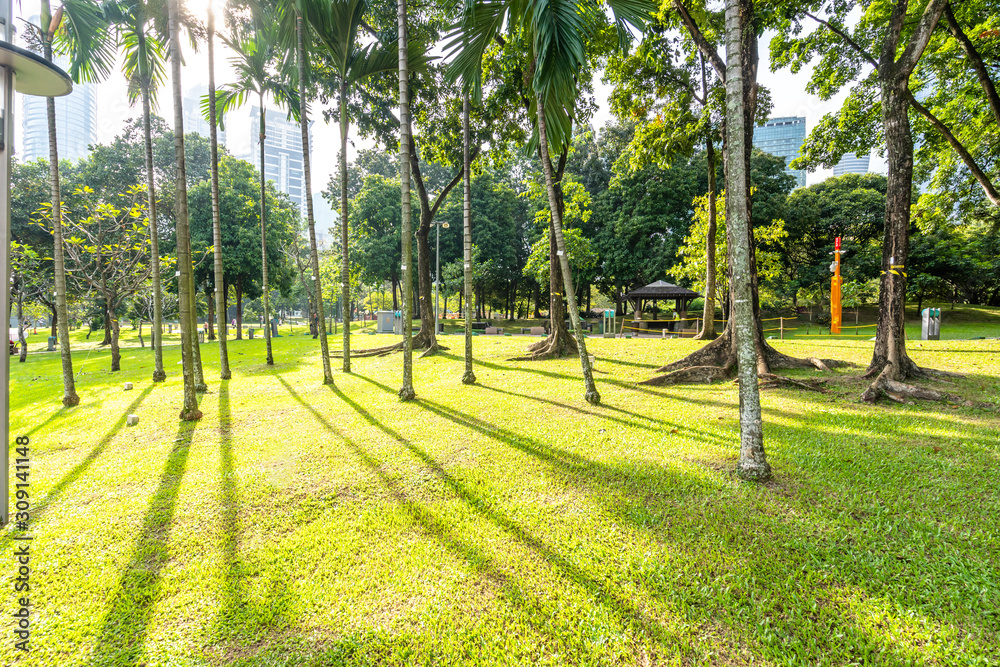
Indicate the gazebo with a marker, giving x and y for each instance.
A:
(660, 291)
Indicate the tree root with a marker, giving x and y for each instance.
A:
(432, 350)
(887, 387)
(559, 343)
(690, 375)
(770, 381)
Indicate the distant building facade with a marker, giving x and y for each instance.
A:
(783, 137)
(282, 152)
(852, 164)
(194, 121)
(76, 123)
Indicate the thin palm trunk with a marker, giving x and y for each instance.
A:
(263, 235)
(190, 410)
(406, 392)
(345, 276)
(70, 396)
(591, 394)
(159, 374)
(307, 174)
(220, 282)
(470, 376)
(753, 463)
(708, 313)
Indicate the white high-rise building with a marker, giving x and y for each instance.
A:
(194, 120)
(282, 152)
(852, 164)
(76, 123)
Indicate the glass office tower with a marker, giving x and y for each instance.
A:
(783, 137)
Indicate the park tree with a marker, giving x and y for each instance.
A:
(141, 34)
(406, 391)
(218, 277)
(890, 38)
(336, 27)
(256, 61)
(108, 247)
(239, 212)
(375, 234)
(193, 378)
(78, 30)
(740, 30)
(558, 44)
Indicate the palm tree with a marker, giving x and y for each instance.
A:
(91, 55)
(185, 300)
(294, 29)
(336, 25)
(143, 42)
(254, 64)
(557, 32)
(406, 392)
(220, 279)
(469, 377)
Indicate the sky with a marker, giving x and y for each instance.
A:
(788, 92)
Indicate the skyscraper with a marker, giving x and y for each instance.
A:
(194, 121)
(852, 164)
(282, 152)
(783, 137)
(76, 123)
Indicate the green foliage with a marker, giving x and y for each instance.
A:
(239, 212)
(582, 256)
(692, 266)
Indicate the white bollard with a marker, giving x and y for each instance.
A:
(127, 386)
(591, 358)
(132, 420)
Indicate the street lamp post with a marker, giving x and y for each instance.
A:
(28, 74)
(437, 271)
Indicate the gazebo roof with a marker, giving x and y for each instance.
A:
(662, 290)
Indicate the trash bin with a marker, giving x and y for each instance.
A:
(52, 343)
(250, 333)
(930, 324)
(201, 337)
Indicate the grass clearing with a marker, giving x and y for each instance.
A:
(506, 523)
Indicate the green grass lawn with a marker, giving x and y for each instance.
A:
(506, 523)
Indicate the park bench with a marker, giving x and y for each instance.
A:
(534, 331)
(494, 331)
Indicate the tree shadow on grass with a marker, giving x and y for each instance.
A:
(705, 435)
(782, 542)
(56, 490)
(237, 616)
(621, 607)
(126, 624)
(428, 521)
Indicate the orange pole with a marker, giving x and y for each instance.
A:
(835, 310)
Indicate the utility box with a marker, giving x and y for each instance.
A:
(384, 321)
(52, 343)
(397, 323)
(930, 324)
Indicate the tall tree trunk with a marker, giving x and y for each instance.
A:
(345, 265)
(116, 356)
(469, 377)
(199, 373)
(159, 373)
(54, 324)
(317, 302)
(220, 279)
(21, 340)
(211, 315)
(406, 392)
(753, 463)
(591, 394)
(107, 326)
(890, 339)
(239, 309)
(70, 396)
(708, 312)
(265, 297)
(142, 342)
(190, 410)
